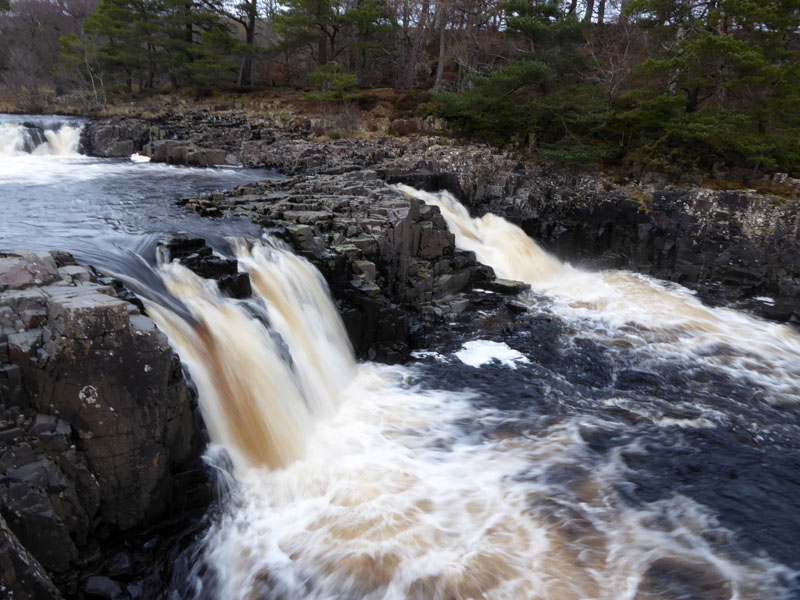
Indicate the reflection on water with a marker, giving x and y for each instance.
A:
(52, 197)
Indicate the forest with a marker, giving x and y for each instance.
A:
(652, 85)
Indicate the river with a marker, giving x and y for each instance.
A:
(627, 443)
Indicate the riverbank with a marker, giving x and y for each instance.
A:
(735, 247)
(99, 436)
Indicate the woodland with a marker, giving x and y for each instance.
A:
(653, 85)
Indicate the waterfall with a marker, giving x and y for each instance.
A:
(606, 303)
(360, 481)
(59, 139)
(263, 371)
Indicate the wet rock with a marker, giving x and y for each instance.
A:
(20, 270)
(505, 286)
(181, 153)
(96, 422)
(116, 137)
(102, 588)
(21, 576)
(194, 254)
(383, 254)
(87, 316)
(728, 246)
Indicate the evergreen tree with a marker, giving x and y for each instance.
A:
(314, 23)
(735, 66)
(140, 40)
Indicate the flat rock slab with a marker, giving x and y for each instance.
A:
(23, 269)
(88, 316)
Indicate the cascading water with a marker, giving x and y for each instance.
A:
(669, 319)
(48, 139)
(630, 444)
(259, 393)
(362, 481)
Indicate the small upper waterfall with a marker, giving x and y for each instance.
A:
(52, 138)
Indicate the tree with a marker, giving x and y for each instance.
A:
(315, 24)
(735, 63)
(127, 41)
(371, 22)
(29, 33)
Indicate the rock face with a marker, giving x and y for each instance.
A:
(729, 246)
(390, 260)
(117, 137)
(96, 424)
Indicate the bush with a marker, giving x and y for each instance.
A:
(334, 83)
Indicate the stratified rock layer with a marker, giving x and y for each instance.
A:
(95, 419)
(390, 260)
(731, 246)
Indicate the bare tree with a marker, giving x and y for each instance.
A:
(29, 40)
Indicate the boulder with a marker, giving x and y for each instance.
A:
(97, 432)
(22, 577)
(116, 137)
(20, 270)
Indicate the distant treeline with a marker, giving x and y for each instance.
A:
(667, 85)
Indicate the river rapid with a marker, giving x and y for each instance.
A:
(622, 441)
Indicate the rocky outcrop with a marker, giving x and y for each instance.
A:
(390, 260)
(117, 137)
(97, 430)
(731, 247)
(736, 247)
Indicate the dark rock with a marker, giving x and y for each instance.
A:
(119, 564)
(102, 588)
(97, 424)
(116, 137)
(729, 246)
(235, 286)
(384, 255)
(22, 577)
(505, 286)
(22, 269)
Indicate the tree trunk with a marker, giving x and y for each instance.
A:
(361, 66)
(601, 12)
(188, 35)
(246, 68)
(437, 84)
(411, 66)
(623, 7)
(692, 99)
(322, 48)
(587, 16)
(573, 5)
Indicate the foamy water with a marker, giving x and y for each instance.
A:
(16, 139)
(663, 320)
(394, 500)
(363, 482)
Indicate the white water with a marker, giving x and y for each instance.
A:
(16, 140)
(351, 482)
(354, 482)
(665, 321)
(260, 392)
